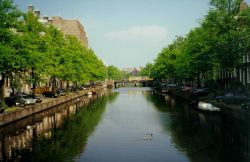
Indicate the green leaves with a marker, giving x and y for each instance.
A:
(219, 43)
(114, 73)
(68, 60)
(37, 51)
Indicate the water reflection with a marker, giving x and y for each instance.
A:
(54, 135)
(204, 136)
(128, 124)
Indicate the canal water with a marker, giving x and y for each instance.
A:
(126, 125)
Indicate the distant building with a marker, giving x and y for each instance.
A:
(68, 27)
(71, 27)
(133, 71)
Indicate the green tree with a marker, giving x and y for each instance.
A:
(34, 48)
(146, 71)
(222, 27)
(73, 64)
(114, 73)
(165, 63)
(219, 43)
(10, 60)
(55, 49)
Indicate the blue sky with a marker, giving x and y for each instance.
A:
(127, 33)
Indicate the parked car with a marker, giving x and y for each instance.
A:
(201, 92)
(25, 100)
(62, 92)
(186, 89)
(235, 100)
(171, 87)
(163, 87)
(73, 89)
(21, 100)
(37, 98)
(167, 87)
(51, 94)
(12, 100)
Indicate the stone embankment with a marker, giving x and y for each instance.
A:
(24, 112)
(232, 110)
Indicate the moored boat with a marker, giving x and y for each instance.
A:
(205, 106)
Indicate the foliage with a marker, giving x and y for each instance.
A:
(218, 43)
(10, 60)
(114, 73)
(146, 71)
(31, 52)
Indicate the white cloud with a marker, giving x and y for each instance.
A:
(149, 33)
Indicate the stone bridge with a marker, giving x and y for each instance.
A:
(144, 81)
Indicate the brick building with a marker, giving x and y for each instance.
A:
(71, 27)
(68, 27)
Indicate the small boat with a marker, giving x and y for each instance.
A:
(205, 106)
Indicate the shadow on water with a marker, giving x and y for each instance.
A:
(203, 137)
(62, 133)
(58, 134)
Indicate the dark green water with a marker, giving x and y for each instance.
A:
(127, 125)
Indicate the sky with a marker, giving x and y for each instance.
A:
(127, 33)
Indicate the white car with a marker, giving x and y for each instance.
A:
(25, 100)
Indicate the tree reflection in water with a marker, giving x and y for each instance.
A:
(58, 134)
(61, 134)
(203, 136)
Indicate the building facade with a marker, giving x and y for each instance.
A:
(71, 27)
(240, 76)
(67, 27)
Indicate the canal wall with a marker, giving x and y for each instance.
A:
(24, 112)
(232, 110)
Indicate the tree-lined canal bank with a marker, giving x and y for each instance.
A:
(127, 124)
(24, 112)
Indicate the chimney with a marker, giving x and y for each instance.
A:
(50, 21)
(30, 8)
(37, 13)
(45, 18)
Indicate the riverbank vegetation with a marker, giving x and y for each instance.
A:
(115, 74)
(219, 43)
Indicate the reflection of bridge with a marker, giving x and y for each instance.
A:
(136, 81)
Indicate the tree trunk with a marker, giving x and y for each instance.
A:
(198, 81)
(53, 83)
(2, 87)
(67, 85)
(33, 82)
